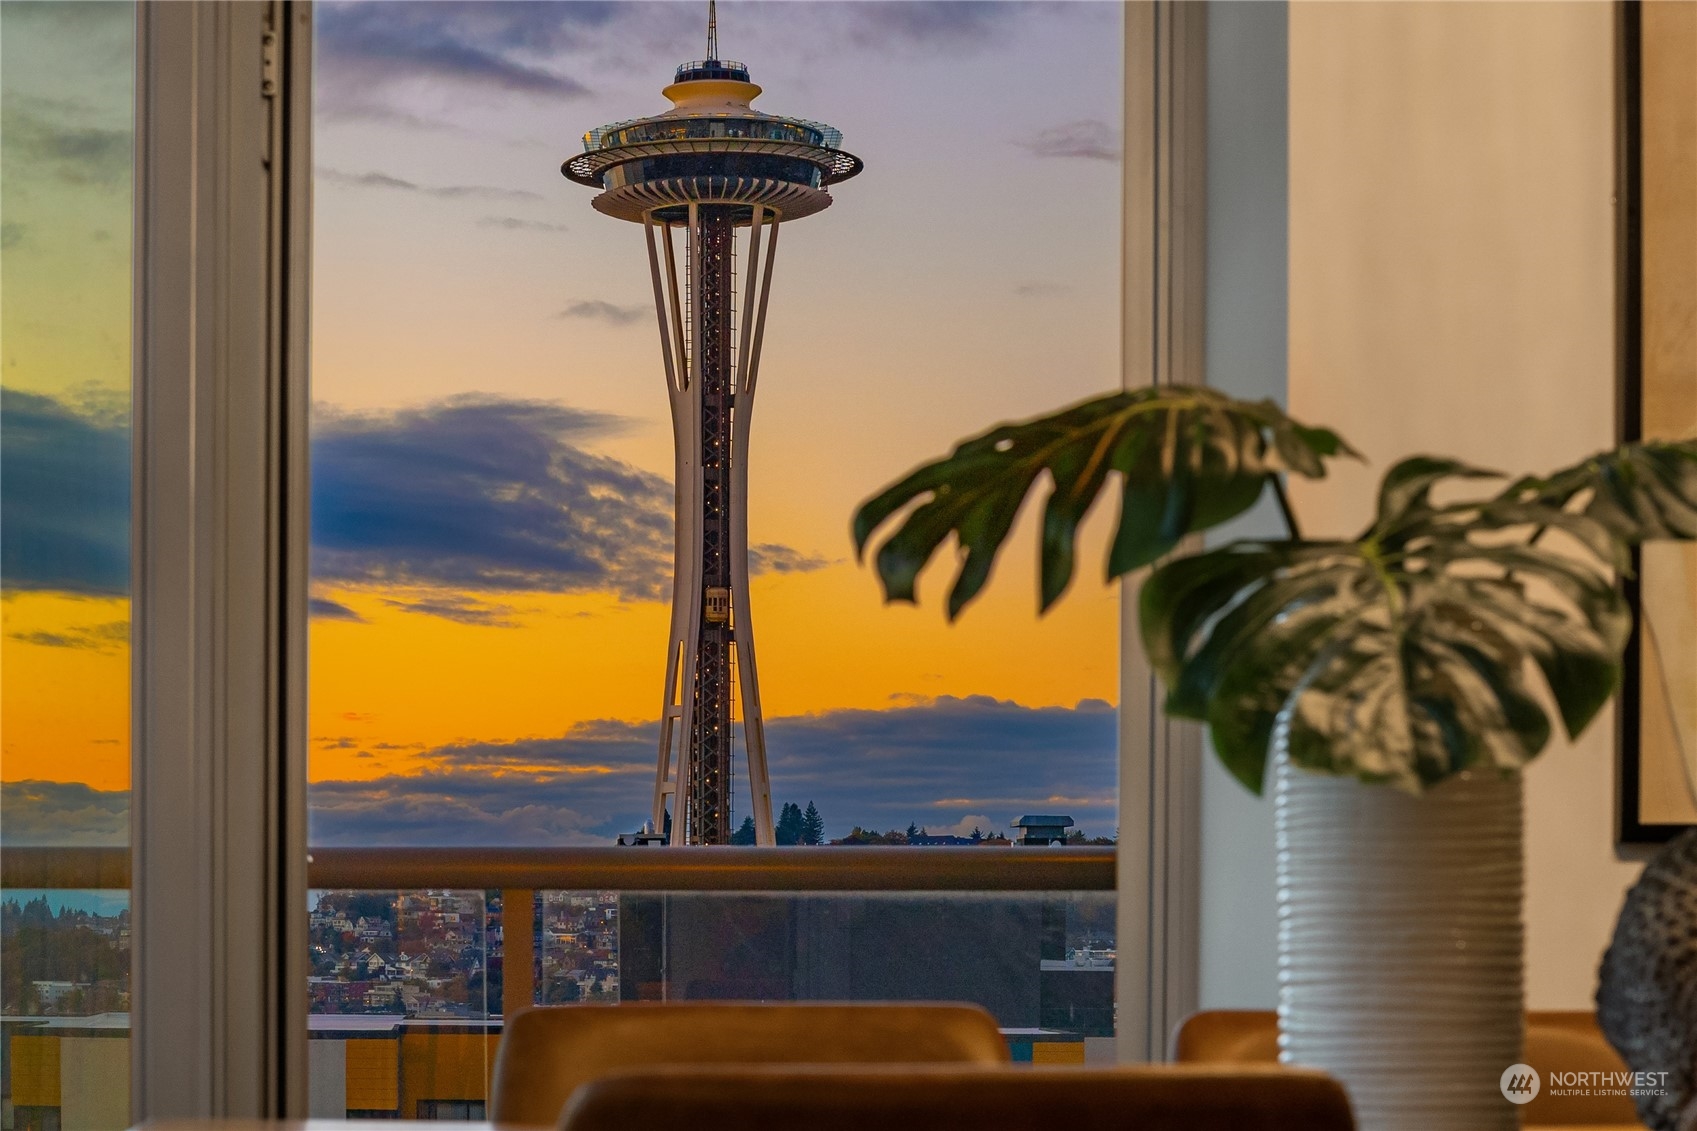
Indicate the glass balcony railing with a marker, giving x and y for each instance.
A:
(415, 959)
(712, 69)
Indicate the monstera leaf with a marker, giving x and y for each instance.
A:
(1402, 656)
(1190, 458)
(1639, 491)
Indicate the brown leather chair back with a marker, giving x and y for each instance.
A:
(1571, 1042)
(1228, 1036)
(841, 1098)
(546, 1053)
(1556, 1041)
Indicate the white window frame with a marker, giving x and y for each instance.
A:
(1164, 240)
(218, 815)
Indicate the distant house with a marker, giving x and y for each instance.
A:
(1043, 828)
(51, 993)
(923, 838)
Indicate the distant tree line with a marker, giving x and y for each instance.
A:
(37, 945)
(795, 826)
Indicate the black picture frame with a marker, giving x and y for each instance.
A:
(1631, 828)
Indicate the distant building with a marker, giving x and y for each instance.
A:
(648, 834)
(923, 839)
(1043, 828)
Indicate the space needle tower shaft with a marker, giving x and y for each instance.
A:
(711, 181)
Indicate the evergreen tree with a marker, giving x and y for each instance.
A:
(912, 830)
(790, 820)
(744, 833)
(977, 834)
(812, 826)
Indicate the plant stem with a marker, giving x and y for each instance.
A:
(1291, 525)
(1393, 595)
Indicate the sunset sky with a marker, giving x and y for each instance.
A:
(492, 454)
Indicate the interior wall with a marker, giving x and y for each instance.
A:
(1245, 345)
(1451, 290)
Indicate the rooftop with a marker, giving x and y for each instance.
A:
(1042, 820)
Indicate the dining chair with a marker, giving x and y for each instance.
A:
(959, 1098)
(1557, 1041)
(1228, 1036)
(548, 1051)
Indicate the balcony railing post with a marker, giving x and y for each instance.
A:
(518, 950)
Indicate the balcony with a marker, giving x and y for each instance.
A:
(415, 963)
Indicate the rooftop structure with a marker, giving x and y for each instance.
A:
(1043, 828)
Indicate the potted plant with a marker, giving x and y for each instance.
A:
(1392, 681)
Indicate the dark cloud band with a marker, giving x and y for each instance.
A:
(472, 494)
(445, 192)
(64, 498)
(934, 763)
(1089, 139)
(484, 494)
(600, 311)
(495, 46)
(478, 493)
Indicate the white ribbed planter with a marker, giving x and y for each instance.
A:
(1400, 944)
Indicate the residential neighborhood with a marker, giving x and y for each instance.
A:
(437, 954)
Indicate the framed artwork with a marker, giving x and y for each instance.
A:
(1658, 711)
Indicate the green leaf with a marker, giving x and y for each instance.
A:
(1177, 600)
(1188, 459)
(1402, 657)
(1293, 602)
(1641, 492)
(1407, 487)
(1244, 704)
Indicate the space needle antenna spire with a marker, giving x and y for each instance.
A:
(712, 29)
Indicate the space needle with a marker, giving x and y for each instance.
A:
(725, 176)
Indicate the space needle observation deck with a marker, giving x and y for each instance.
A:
(712, 147)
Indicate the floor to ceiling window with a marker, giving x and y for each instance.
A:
(493, 498)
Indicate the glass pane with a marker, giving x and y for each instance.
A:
(493, 449)
(399, 1030)
(66, 140)
(405, 1004)
(578, 955)
(1042, 963)
(493, 452)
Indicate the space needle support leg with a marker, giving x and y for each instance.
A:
(677, 313)
(660, 304)
(670, 707)
(754, 722)
(686, 577)
(671, 770)
(753, 369)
